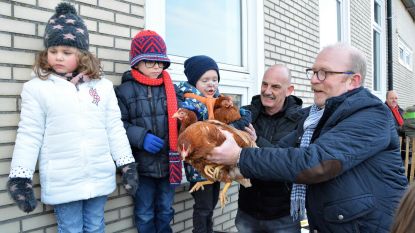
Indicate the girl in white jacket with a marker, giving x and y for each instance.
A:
(71, 123)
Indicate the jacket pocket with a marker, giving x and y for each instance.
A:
(347, 210)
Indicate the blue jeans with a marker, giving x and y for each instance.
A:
(245, 223)
(81, 216)
(153, 209)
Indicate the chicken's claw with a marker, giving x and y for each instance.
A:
(217, 170)
(223, 197)
(199, 185)
(213, 171)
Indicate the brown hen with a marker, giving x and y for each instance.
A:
(224, 110)
(195, 142)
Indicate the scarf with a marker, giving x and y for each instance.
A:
(74, 78)
(298, 192)
(397, 115)
(209, 102)
(175, 163)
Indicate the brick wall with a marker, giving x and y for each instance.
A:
(112, 24)
(292, 38)
(404, 79)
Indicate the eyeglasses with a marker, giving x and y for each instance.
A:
(151, 64)
(322, 74)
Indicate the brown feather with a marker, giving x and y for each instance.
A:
(225, 111)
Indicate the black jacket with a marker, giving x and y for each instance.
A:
(267, 200)
(144, 109)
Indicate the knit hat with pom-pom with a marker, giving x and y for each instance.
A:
(148, 45)
(66, 28)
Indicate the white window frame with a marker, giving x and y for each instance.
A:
(344, 21)
(241, 80)
(408, 52)
(381, 29)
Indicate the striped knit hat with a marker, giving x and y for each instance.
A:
(148, 45)
(66, 28)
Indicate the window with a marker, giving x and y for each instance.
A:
(218, 29)
(337, 30)
(405, 54)
(378, 45)
(215, 29)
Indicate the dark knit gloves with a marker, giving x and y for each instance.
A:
(21, 191)
(245, 120)
(130, 178)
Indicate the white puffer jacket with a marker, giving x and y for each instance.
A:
(75, 134)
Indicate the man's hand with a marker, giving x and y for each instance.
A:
(227, 153)
(251, 131)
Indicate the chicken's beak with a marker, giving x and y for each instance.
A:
(175, 115)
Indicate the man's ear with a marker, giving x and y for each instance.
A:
(290, 90)
(355, 81)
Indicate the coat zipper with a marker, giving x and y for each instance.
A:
(153, 117)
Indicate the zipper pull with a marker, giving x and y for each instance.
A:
(149, 92)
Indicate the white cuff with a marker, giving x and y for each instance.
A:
(21, 172)
(123, 160)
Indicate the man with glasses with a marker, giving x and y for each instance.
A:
(347, 150)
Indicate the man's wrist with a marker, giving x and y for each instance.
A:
(238, 157)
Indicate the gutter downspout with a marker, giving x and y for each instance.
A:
(389, 44)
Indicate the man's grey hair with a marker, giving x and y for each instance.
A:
(357, 58)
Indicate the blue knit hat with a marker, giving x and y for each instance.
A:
(148, 45)
(196, 66)
(66, 28)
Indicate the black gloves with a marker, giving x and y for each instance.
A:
(130, 178)
(245, 120)
(21, 191)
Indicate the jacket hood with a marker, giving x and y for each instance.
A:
(126, 76)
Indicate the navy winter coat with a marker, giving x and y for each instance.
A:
(143, 110)
(353, 166)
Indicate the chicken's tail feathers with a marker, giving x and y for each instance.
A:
(245, 182)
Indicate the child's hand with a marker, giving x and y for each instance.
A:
(251, 131)
(130, 178)
(152, 143)
(21, 191)
(244, 121)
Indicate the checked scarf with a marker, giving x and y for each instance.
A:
(175, 162)
(298, 192)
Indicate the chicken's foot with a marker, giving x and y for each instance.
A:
(199, 185)
(223, 197)
(213, 171)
